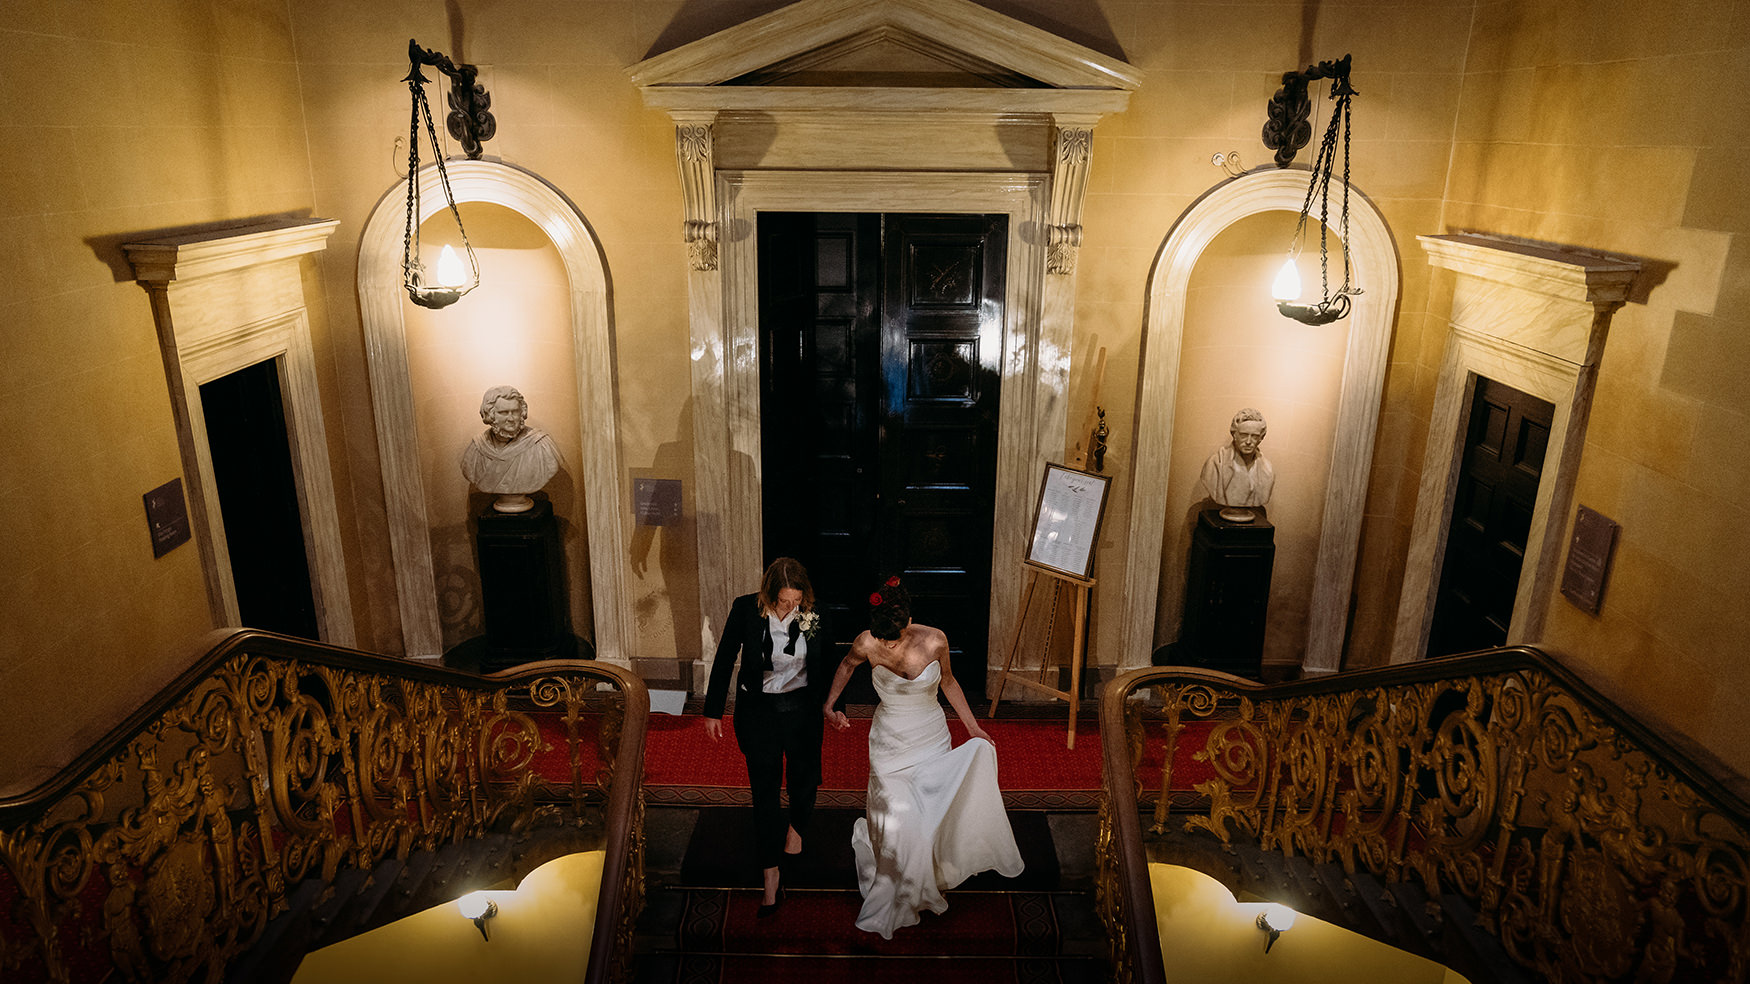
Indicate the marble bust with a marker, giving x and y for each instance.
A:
(509, 459)
(1237, 476)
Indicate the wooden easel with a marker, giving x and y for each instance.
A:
(1078, 588)
(1092, 444)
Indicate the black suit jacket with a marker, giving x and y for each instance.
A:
(745, 630)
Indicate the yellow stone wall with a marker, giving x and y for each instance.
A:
(127, 121)
(1621, 128)
(1599, 126)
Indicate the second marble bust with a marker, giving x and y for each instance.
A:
(509, 459)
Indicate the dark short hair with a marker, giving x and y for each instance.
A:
(786, 572)
(890, 609)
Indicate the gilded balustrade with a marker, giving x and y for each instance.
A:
(163, 853)
(1587, 845)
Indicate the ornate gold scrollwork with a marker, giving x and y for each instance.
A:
(1591, 851)
(168, 860)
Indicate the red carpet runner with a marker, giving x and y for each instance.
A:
(1036, 771)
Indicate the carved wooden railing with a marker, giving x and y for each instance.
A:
(1588, 846)
(164, 851)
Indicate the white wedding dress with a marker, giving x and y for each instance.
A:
(935, 813)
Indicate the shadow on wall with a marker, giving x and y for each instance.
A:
(674, 544)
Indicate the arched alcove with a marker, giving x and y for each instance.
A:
(380, 303)
(1370, 324)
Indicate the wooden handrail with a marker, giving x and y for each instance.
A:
(1578, 787)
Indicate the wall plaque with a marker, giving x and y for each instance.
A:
(1588, 560)
(167, 517)
(656, 501)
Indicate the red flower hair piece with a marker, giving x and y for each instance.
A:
(875, 599)
(893, 582)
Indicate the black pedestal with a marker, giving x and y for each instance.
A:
(522, 587)
(1227, 594)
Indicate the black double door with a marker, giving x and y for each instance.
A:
(1506, 434)
(880, 337)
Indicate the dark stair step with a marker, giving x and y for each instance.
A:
(356, 901)
(821, 922)
(362, 907)
(768, 969)
(283, 942)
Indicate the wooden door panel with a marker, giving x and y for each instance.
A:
(878, 368)
(1506, 438)
(941, 308)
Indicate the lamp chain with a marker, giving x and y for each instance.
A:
(1320, 184)
(410, 233)
(410, 238)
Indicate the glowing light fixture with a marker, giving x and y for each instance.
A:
(1286, 130)
(1286, 286)
(1275, 920)
(478, 907)
(470, 120)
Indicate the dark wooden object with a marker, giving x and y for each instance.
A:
(1227, 594)
(522, 587)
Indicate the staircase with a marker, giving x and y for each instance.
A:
(319, 913)
(1398, 914)
(699, 925)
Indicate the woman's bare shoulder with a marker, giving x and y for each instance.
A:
(930, 638)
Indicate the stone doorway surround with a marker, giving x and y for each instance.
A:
(1534, 317)
(877, 106)
(380, 306)
(223, 301)
(1375, 258)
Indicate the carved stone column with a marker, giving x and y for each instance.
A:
(1072, 150)
(695, 143)
(692, 141)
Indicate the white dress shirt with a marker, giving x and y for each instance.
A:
(788, 672)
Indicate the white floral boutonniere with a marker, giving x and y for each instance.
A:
(810, 622)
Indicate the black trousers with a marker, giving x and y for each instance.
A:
(779, 737)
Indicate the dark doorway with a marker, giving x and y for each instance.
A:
(879, 344)
(258, 496)
(1491, 518)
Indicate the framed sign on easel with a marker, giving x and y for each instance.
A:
(1066, 528)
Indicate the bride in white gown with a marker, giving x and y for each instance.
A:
(935, 813)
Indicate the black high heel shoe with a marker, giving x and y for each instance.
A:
(765, 910)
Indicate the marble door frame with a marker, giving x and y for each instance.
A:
(224, 301)
(725, 366)
(1534, 317)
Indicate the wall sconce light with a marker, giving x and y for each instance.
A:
(470, 120)
(1275, 920)
(1286, 130)
(476, 906)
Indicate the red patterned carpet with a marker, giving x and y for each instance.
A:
(1036, 771)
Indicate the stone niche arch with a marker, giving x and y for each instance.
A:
(877, 106)
(380, 300)
(1375, 257)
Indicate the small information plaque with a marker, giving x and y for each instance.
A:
(1588, 560)
(656, 501)
(167, 517)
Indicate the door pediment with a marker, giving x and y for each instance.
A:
(888, 57)
(920, 55)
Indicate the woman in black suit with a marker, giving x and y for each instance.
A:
(786, 667)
